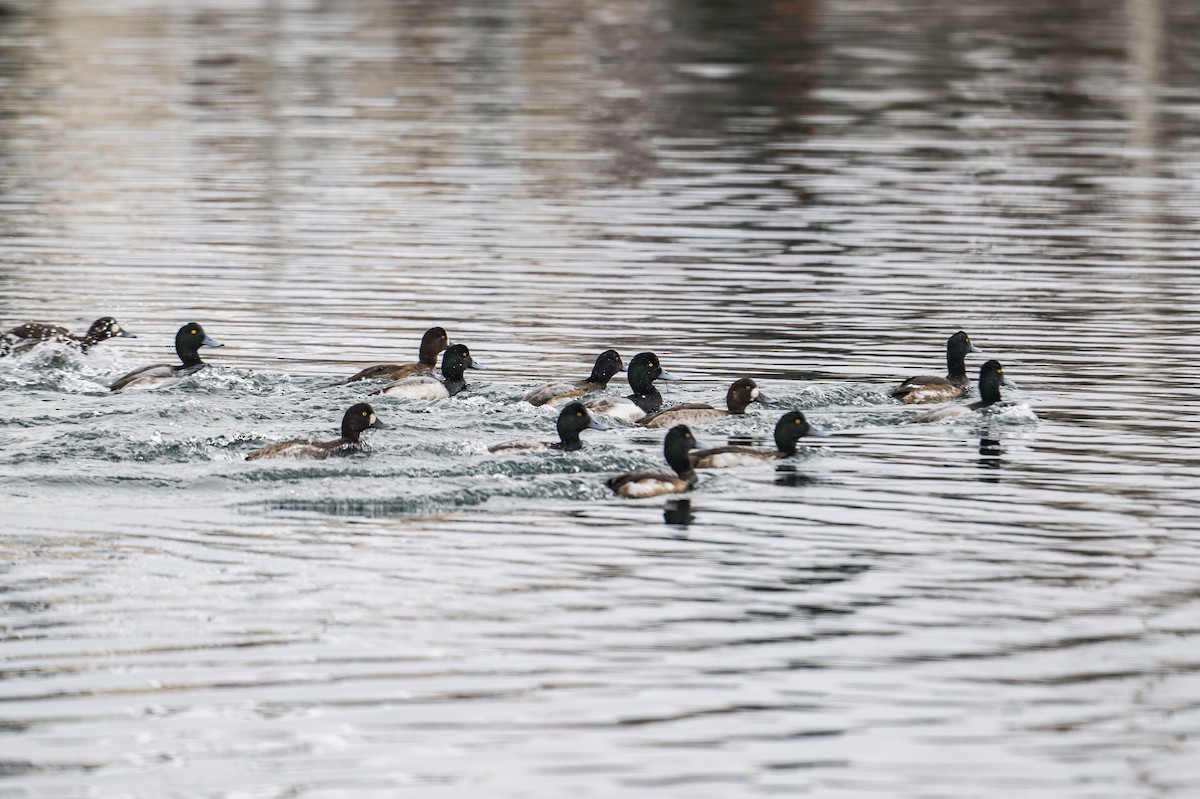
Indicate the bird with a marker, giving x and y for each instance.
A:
(433, 342)
(28, 335)
(654, 482)
(455, 360)
(790, 428)
(358, 418)
(188, 341)
(573, 419)
(644, 369)
(608, 363)
(991, 377)
(743, 392)
(931, 388)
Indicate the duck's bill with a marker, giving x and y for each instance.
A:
(975, 349)
(123, 333)
(1008, 383)
(379, 424)
(474, 364)
(596, 424)
(209, 341)
(667, 376)
(764, 399)
(818, 432)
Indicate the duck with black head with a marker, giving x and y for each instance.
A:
(644, 369)
(608, 363)
(931, 388)
(737, 399)
(790, 428)
(991, 378)
(358, 419)
(654, 482)
(31, 334)
(188, 341)
(573, 419)
(455, 361)
(433, 342)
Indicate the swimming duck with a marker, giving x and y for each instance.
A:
(790, 428)
(991, 377)
(455, 360)
(644, 369)
(572, 420)
(653, 482)
(931, 388)
(358, 418)
(608, 363)
(188, 341)
(433, 342)
(27, 335)
(740, 394)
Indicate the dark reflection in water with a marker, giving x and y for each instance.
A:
(678, 513)
(787, 474)
(989, 459)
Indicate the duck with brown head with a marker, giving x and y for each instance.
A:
(357, 419)
(433, 342)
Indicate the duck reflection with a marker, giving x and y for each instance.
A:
(989, 458)
(678, 513)
(786, 474)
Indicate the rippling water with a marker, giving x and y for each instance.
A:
(813, 194)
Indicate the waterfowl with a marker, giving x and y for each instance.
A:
(455, 360)
(991, 377)
(572, 420)
(608, 363)
(644, 369)
(931, 388)
(432, 343)
(357, 419)
(27, 335)
(653, 482)
(188, 341)
(740, 395)
(790, 428)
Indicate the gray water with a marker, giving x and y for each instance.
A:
(813, 194)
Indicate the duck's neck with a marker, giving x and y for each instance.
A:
(678, 460)
(91, 339)
(786, 443)
(455, 384)
(189, 357)
(649, 400)
(568, 442)
(956, 365)
(989, 391)
(429, 353)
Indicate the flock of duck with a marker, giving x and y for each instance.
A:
(579, 400)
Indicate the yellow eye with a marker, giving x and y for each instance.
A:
(579, 414)
(193, 332)
(364, 413)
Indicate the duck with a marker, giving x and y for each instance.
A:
(26, 336)
(655, 482)
(991, 377)
(455, 360)
(931, 388)
(433, 342)
(572, 420)
(743, 392)
(608, 363)
(790, 428)
(644, 369)
(188, 341)
(355, 421)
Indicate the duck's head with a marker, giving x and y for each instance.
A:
(574, 419)
(434, 341)
(991, 378)
(742, 393)
(676, 445)
(190, 338)
(107, 327)
(960, 344)
(457, 359)
(644, 369)
(792, 427)
(358, 418)
(608, 363)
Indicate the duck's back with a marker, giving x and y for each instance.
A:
(690, 413)
(647, 483)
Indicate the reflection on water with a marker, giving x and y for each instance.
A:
(810, 193)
